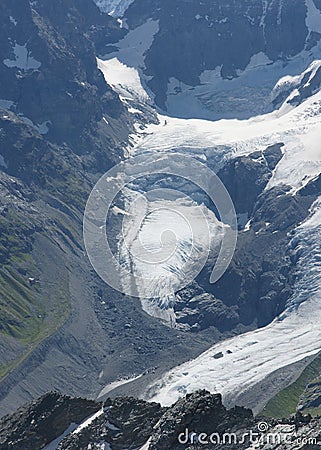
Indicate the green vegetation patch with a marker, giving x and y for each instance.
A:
(286, 401)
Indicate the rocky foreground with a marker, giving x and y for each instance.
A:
(198, 421)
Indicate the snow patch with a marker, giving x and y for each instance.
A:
(88, 421)
(23, 59)
(125, 80)
(134, 110)
(13, 20)
(42, 128)
(115, 8)
(122, 23)
(313, 19)
(250, 94)
(132, 48)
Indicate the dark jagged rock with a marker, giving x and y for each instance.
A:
(312, 188)
(125, 423)
(58, 87)
(258, 282)
(204, 311)
(245, 177)
(54, 144)
(200, 412)
(34, 426)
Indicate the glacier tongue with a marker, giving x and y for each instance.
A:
(250, 357)
(166, 242)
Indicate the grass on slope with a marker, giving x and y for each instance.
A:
(286, 402)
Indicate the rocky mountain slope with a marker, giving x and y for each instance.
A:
(197, 421)
(61, 127)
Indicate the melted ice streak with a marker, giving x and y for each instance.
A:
(295, 335)
(165, 243)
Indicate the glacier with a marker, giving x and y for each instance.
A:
(250, 357)
(294, 335)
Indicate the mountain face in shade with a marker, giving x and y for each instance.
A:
(238, 47)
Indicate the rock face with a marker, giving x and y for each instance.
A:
(39, 423)
(131, 423)
(123, 422)
(199, 412)
(259, 281)
(49, 73)
(223, 38)
(61, 126)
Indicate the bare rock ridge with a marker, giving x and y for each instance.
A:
(126, 422)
